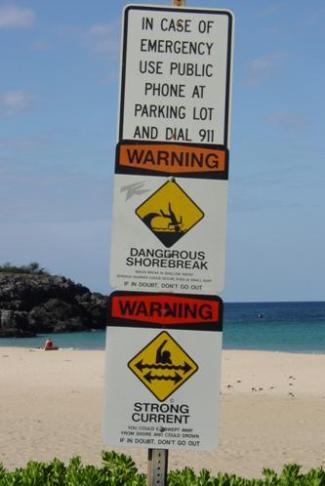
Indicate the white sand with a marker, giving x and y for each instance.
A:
(272, 411)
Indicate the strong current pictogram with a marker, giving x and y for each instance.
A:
(169, 213)
(163, 366)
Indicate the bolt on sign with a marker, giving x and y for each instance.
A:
(171, 162)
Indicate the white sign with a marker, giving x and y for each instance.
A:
(168, 235)
(176, 75)
(162, 388)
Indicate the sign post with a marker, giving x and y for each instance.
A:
(158, 458)
(157, 467)
(169, 218)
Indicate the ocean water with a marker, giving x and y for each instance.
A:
(277, 326)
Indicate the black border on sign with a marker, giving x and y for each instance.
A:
(215, 326)
(221, 175)
(179, 10)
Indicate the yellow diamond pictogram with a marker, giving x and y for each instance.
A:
(169, 213)
(163, 366)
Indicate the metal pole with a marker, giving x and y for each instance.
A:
(157, 467)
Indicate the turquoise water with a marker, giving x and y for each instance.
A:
(297, 327)
(293, 327)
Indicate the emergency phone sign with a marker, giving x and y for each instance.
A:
(176, 75)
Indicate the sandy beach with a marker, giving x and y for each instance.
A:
(272, 411)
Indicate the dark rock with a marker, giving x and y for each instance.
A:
(6, 318)
(32, 304)
(11, 319)
(93, 305)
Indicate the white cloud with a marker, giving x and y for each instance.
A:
(16, 17)
(12, 102)
(262, 67)
(104, 39)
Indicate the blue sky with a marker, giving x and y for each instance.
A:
(58, 117)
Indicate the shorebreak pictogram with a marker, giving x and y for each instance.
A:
(169, 213)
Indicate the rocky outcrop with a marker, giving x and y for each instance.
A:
(41, 303)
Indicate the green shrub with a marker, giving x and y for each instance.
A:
(33, 269)
(120, 470)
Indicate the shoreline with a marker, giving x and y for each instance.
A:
(244, 350)
(272, 411)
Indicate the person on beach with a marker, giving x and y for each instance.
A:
(49, 345)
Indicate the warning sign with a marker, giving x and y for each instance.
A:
(169, 213)
(203, 161)
(163, 366)
(172, 311)
(134, 416)
(150, 218)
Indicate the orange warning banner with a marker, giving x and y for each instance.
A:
(172, 159)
